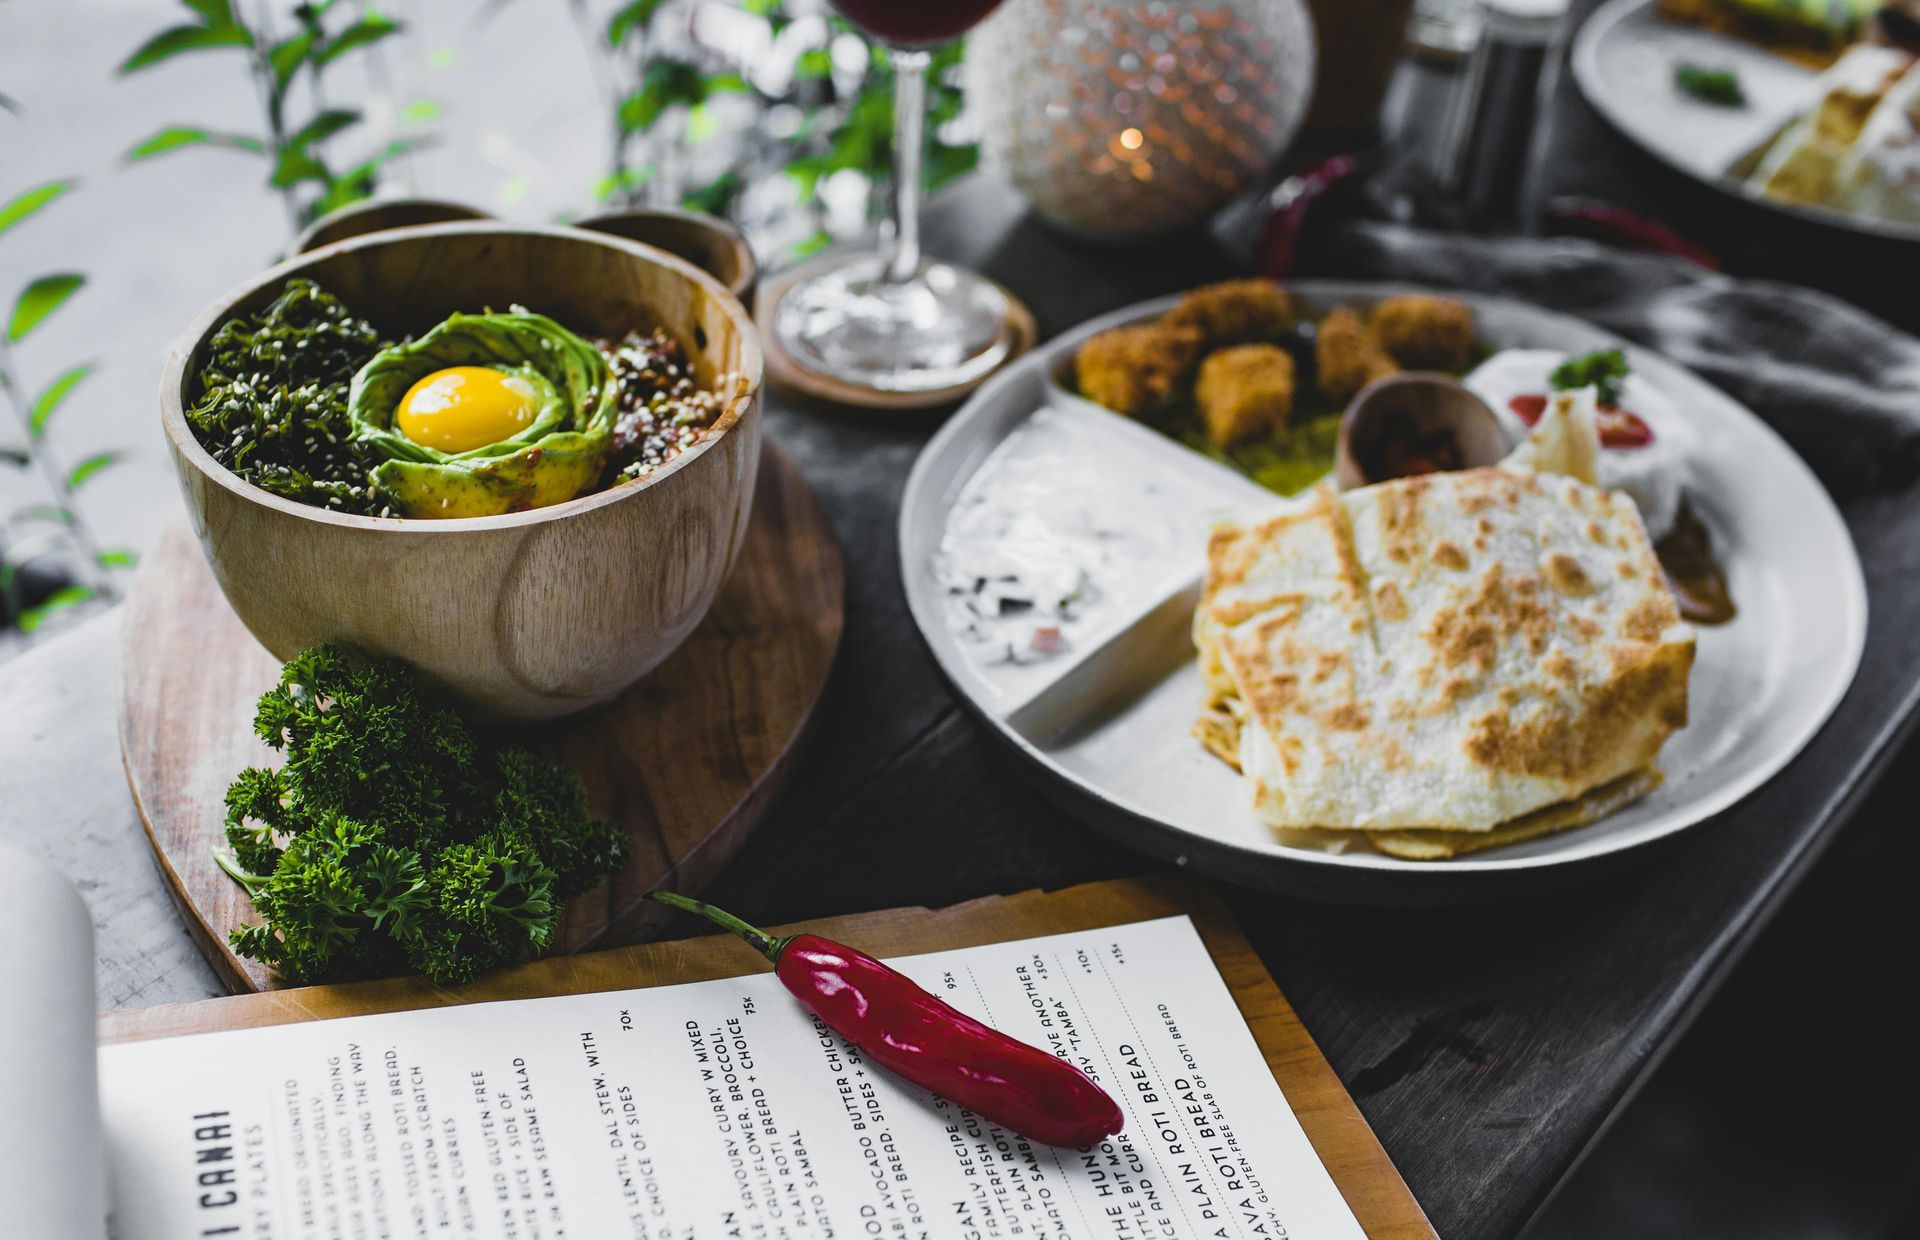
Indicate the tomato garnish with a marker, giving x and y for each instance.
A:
(1528, 408)
(1623, 429)
(1619, 428)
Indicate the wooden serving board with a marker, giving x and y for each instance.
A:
(1340, 1135)
(687, 760)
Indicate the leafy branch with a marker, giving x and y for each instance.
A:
(34, 412)
(845, 125)
(296, 151)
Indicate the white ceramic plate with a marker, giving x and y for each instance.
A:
(1104, 727)
(1624, 59)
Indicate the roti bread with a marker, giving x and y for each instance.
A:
(1450, 652)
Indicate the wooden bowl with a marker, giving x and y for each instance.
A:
(379, 215)
(713, 245)
(526, 616)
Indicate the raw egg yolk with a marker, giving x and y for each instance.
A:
(466, 407)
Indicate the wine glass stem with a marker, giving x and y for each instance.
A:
(902, 252)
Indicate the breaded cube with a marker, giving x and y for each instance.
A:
(1346, 357)
(1134, 370)
(1235, 311)
(1244, 391)
(1426, 333)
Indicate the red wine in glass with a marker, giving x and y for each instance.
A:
(915, 23)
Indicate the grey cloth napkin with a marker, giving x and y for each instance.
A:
(1840, 385)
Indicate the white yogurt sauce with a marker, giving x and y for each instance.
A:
(1065, 535)
(1651, 475)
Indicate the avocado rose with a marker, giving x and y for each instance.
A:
(485, 414)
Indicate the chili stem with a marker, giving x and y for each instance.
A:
(760, 940)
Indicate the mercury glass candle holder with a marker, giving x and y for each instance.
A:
(1120, 119)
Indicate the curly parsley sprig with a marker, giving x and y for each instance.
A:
(394, 839)
(1605, 370)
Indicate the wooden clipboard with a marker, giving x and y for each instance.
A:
(1367, 1178)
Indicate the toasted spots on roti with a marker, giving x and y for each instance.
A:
(1565, 574)
(1455, 652)
(1388, 602)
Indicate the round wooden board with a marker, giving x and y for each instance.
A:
(687, 760)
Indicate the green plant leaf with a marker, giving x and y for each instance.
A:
(626, 179)
(813, 64)
(294, 167)
(297, 162)
(40, 299)
(819, 241)
(49, 399)
(213, 12)
(665, 83)
(171, 42)
(717, 196)
(31, 201)
(369, 30)
(91, 466)
(323, 126)
(631, 16)
(48, 514)
(14, 456)
(285, 58)
(948, 163)
(358, 182)
(118, 559)
(173, 137)
(66, 598)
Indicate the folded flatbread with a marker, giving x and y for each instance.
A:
(1447, 653)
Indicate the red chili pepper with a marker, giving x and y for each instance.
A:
(918, 1036)
(1528, 408)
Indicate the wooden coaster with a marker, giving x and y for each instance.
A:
(687, 760)
(797, 379)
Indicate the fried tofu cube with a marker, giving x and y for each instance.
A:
(1235, 311)
(1134, 370)
(1346, 357)
(1425, 332)
(1244, 392)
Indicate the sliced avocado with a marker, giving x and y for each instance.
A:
(554, 458)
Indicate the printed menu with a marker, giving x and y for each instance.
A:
(720, 1109)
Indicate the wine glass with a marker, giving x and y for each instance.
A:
(892, 321)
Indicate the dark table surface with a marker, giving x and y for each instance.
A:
(1487, 1045)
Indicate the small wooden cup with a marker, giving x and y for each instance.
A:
(525, 616)
(713, 245)
(380, 215)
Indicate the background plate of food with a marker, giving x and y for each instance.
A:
(1809, 107)
(1493, 657)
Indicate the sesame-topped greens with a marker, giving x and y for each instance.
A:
(272, 399)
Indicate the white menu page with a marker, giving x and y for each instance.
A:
(720, 1109)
